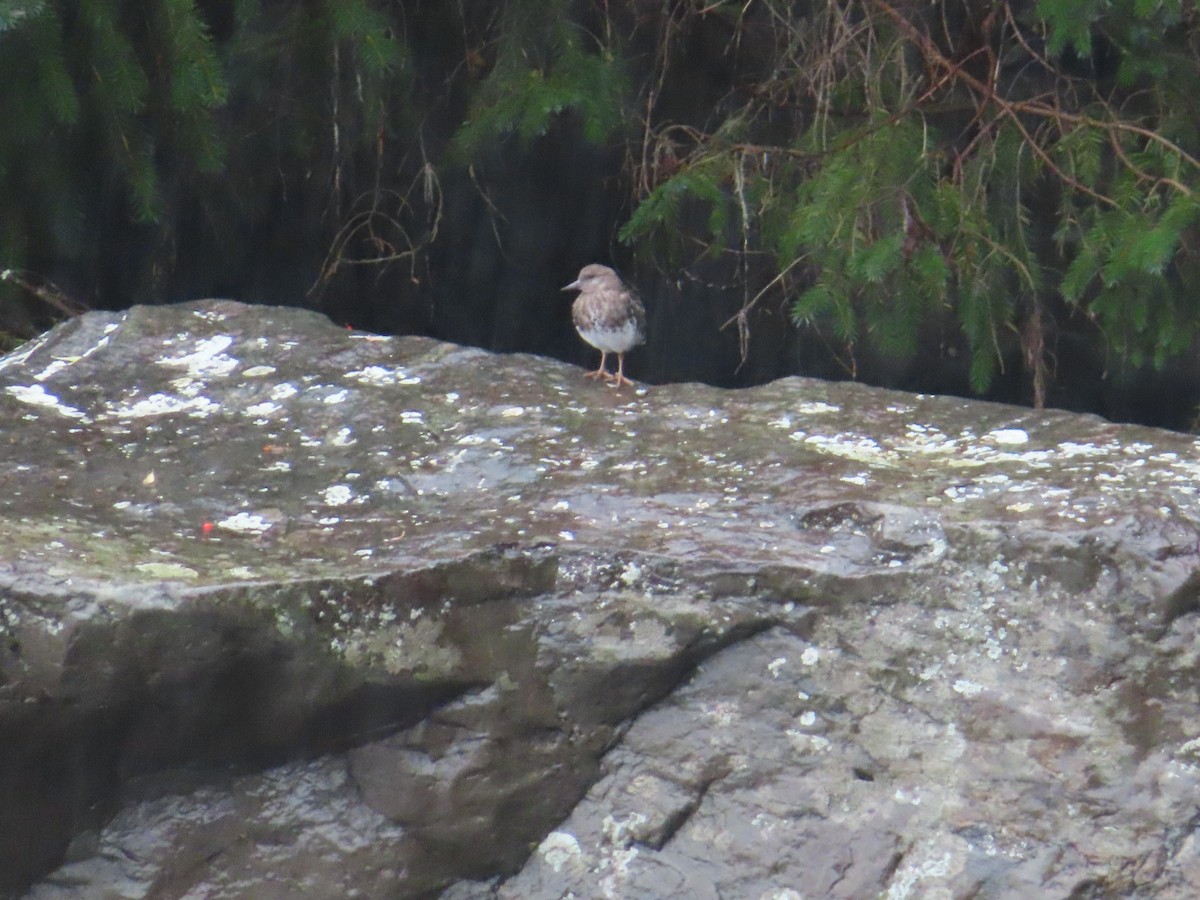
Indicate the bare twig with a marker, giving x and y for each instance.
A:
(1013, 108)
(46, 291)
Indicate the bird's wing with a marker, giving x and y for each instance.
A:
(582, 313)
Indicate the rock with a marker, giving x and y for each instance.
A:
(289, 610)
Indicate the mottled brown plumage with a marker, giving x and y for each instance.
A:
(609, 316)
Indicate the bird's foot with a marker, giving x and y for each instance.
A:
(619, 379)
(600, 373)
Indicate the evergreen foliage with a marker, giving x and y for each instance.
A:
(12, 12)
(991, 171)
(1013, 165)
(121, 118)
(541, 69)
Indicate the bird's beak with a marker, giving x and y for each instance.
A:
(573, 286)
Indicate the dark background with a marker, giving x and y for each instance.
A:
(485, 237)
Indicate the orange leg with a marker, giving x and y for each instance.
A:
(601, 372)
(620, 379)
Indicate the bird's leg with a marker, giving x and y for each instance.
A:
(600, 372)
(620, 379)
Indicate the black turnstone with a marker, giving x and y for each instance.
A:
(609, 316)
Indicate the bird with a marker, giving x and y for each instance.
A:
(609, 316)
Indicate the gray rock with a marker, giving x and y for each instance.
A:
(293, 611)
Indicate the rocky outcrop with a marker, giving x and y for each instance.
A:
(294, 611)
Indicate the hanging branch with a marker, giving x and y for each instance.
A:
(46, 291)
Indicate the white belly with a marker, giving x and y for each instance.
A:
(612, 340)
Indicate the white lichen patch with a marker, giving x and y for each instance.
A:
(966, 687)
(36, 395)
(343, 438)
(849, 446)
(263, 410)
(562, 853)
(336, 397)
(648, 639)
(960, 493)
(167, 570)
(927, 442)
(161, 405)
(992, 646)
(624, 830)
(631, 465)
(245, 523)
(1069, 449)
(383, 376)
(722, 713)
(811, 656)
(776, 665)
(399, 647)
(713, 417)
(905, 883)
(56, 366)
(339, 495)
(816, 408)
(803, 742)
(996, 478)
(258, 371)
(207, 360)
(1190, 749)
(412, 417)
(1008, 436)
(284, 391)
(188, 387)
(512, 412)
(975, 454)
(911, 797)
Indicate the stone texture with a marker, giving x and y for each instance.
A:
(288, 610)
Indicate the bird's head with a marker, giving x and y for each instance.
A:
(594, 277)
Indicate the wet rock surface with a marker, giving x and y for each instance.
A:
(293, 611)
